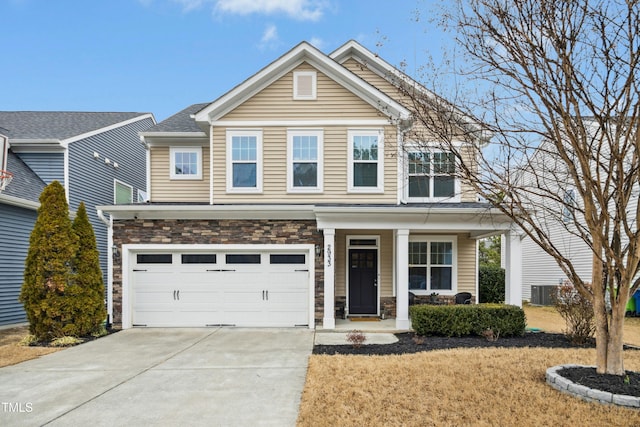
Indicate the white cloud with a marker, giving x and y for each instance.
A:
(303, 10)
(317, 42)
(269, 37)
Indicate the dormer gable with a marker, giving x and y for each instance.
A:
(303, 85)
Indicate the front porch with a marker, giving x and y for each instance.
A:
(374, 257)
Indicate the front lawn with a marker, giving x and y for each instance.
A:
(459, 387)
(475, 387)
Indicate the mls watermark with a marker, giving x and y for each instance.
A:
(17, 407)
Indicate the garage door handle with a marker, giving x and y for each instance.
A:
(302, 270)
(263, 295)
(139, 270)
(178, 294)
(267, 295)
(174, 294)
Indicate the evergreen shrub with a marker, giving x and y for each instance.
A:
(464, 319)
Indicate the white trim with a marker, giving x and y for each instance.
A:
(414, 148)
(172, 163)
(379, 188)
(401, 239)
(349, 246)
(148, 172)
(128, 250)
(259, 161)
(19, 202)
(65, 173)
(301, 123)
(65, 143)
(314, 83)
(115, 183)
(304, 52)
(431, 238)
(211, 164)
(319, 134)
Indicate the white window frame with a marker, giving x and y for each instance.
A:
(314, 84)
(244, 132)
(454, 263)
(319, 134)
(172, 163)
(379, 188)
(431, 199)
(117, 182)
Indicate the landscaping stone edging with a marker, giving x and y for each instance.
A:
(564, 385)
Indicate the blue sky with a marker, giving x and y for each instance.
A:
(160, 56)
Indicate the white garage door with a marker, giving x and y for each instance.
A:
(188, 288)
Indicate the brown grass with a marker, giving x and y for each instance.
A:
(11, 352)
(548, 319)
(461, 387)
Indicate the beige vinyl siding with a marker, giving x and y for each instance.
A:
(466, 261)
(276, 102)
(275, 168)
(163, 189)
(385, 256)
(466, 264)
(467, 192)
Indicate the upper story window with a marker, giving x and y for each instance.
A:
(366, 153)
(432, 264)
(304, 170)
(244, 161)
(431, 176)
(122, 193)
(186, 162)
(304, 85)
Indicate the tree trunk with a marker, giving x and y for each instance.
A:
(615, 361)
(600, 314)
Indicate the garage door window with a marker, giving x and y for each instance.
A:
(287, 259)
(199, 258)
(243, 259)
(154, 258)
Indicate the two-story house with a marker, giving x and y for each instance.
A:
(96, 156)
(294, 193)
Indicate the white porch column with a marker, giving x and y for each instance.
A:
(513, 268)
(328, 319)
(402, 279)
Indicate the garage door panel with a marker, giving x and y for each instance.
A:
(193, 294)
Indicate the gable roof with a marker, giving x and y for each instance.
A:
(354, 50)
(60, 126)
(181, 122)
(26, 184)
(303, 52)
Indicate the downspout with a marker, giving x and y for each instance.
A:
(211, 164)
(109, 224)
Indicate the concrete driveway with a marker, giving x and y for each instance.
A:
(208, 377)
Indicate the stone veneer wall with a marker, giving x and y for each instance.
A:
(178, 231)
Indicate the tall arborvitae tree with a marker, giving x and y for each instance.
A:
(86, 294)
(47, 274)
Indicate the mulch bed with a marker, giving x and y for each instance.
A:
(411, 343)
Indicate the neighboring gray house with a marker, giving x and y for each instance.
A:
(98, 158)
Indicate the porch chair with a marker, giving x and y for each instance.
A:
(463, 298)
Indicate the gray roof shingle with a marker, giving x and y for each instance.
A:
(58, 125)
(181, 121)
(25, 184)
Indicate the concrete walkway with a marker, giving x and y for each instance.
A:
(163, 377)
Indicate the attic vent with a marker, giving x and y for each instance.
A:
(304, 85)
